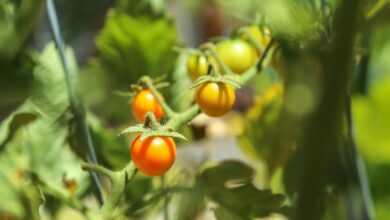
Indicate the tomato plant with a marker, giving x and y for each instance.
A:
(290, 79)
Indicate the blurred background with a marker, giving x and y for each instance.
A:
(112, 43)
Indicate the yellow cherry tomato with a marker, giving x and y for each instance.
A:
(154, 155)
(237, 54)
(144, 102)
(197, 66)
(215, 99)
(261, 36)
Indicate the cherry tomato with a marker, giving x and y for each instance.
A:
(261, 36)
(144, 102)
(197, 65)
(215, 99)
(237, 54)
(154, 155)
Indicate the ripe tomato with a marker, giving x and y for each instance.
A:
(215, 99)
(261, 36)
(197, 65)
(154, 155)
(237, 54)
(144, 102)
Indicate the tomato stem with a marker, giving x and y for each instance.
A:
(149, 84)
(211, 50)
(182, 118)
(97, 168)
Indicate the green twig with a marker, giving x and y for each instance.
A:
(161, 194)
(210, 49)
(149, 84)
(182, 118)
(260, 64)
(166, 199)
(119, 180)
(376, 8)
(97, 168)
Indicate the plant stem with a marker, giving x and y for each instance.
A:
(97, 168)
(75, 104)
(149, 84)
(210, 50)
(151, 121)
(119, 180)
(260, 65)
(166, 199)
(323, 130)
(182, 118)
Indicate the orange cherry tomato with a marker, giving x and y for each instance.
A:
(144, 102)
(215, 99)
(154, 155)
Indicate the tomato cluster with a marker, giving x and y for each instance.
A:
(154, 155)
(215, 96)
(238, 55)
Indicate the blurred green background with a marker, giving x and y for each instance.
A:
(113, 43)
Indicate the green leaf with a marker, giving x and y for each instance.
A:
(151, 133)
(110, 147)
(41, 145)
(135, 129)
(9, 126)
(230, 185)
(222, 213)
(10, 194)
(201, 80)
(372, 120)
(17, 20)
(126, 52)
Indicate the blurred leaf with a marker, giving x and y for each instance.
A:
(151, 8)
(10, 195)
(17, 19)
(9, 126)
(180, 82)
(190, 204)
(222, 214)
(372, 120)
(125, 46)
(41, 147)
(112, 149)
(126, 51)
(260, 124)
(217, 176)
(230, 185)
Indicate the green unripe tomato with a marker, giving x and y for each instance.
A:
(237, 54)
(197, 66)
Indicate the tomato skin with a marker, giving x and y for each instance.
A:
(262, 37)
(197, 66)
(154, 155)
(215, 99)
(237, 54)
(144, 102)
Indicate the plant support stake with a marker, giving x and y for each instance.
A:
(76, 106)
